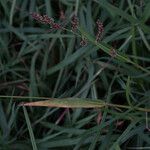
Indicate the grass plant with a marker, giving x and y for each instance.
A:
(92, 73)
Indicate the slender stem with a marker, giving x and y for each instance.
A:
(23, 97)
(128, 107)
(72, 32)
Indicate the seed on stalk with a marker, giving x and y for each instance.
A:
(83, 42)
(100, 30)
(74, 23)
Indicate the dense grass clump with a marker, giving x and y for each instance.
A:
(91, 58)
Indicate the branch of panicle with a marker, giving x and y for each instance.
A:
(74, 23)
(46, 20)
(83, 41)
(74, 26)
(100, 30)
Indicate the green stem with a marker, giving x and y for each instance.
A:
(107, 49)
(128, 107)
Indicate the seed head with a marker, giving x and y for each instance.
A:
(100, 30)
(74, 23)
(36, 16)
(46, 20)
(43, 19)
(83, 42)
(56, 26)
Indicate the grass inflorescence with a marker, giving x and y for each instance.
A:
(87, 62)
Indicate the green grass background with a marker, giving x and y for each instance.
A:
(38, 62)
